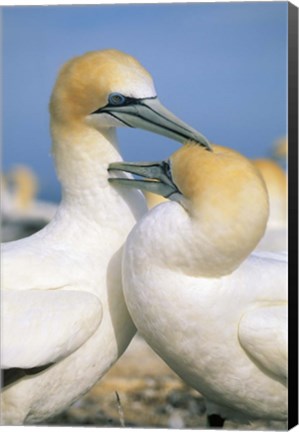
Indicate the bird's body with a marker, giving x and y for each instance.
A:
(55, 349)
(79, 250)
(212, 311)
(194, 325)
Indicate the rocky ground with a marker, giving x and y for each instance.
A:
(141, 391)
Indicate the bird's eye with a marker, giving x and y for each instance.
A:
(116, 99)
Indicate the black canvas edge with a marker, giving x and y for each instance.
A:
(293, 212)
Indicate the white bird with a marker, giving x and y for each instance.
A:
(275, 238)
(22, 213)
(64, 319)
(214, 311)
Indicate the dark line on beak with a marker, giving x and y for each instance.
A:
(125, 123)
(157, 124)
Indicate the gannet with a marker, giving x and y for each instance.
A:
(64, 320)
(213, 310)
(22, 213)
(276, 235)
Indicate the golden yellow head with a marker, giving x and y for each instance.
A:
(224, 193)
(106, 89)
(85, 82)
(225, 201)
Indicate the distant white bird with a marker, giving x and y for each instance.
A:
(214, 312)
(275, 238)
(21, 213)
(64, 319)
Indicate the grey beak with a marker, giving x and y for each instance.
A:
(160, 171)
(151, 115)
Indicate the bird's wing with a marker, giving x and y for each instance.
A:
(263, 335)
(42, 327)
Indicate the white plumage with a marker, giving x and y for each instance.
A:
(212, 311)
(65, 321)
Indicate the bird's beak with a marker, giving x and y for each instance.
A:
(158, 172)
(150, 114)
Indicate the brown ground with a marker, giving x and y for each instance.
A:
(141, 391)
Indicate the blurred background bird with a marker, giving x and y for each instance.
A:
(276, 235)
(22, 214)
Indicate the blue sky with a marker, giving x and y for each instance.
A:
(221, 67)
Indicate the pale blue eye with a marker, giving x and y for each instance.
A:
(116, 99)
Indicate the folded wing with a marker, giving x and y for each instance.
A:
(263, 335)
(41, 327)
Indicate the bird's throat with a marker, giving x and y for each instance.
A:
(82, 155)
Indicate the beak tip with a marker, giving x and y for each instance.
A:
(202, 141)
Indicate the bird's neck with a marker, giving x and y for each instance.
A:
(174, 240)
(82, 155)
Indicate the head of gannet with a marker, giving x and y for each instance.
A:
(222, 192)
(109, 88)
